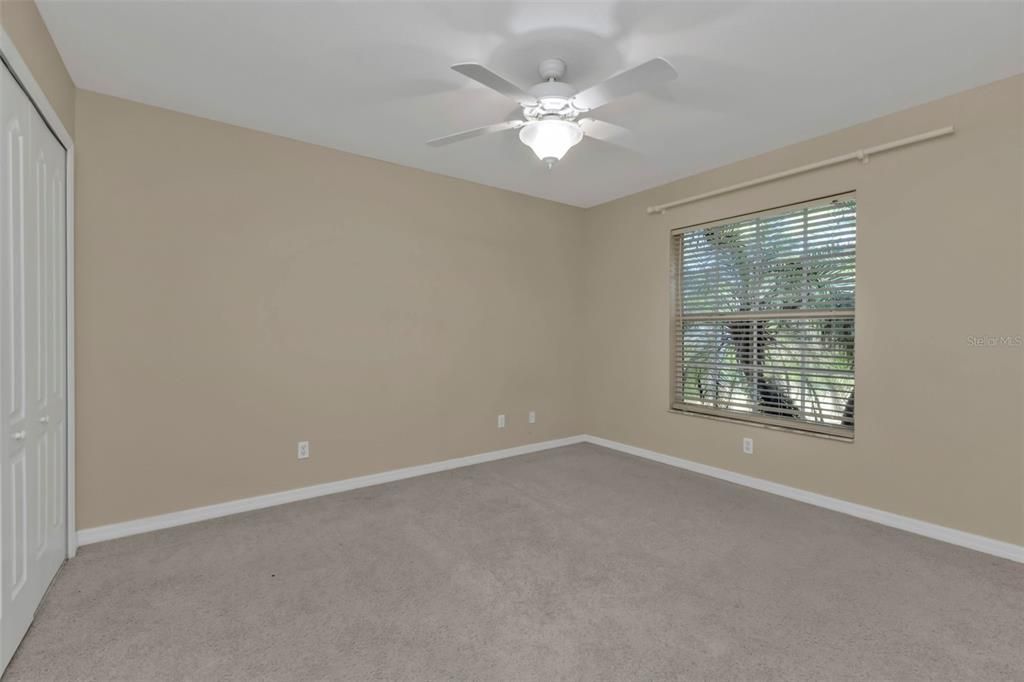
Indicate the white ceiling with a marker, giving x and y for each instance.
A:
(372, 77)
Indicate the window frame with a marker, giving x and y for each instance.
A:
(845, 434)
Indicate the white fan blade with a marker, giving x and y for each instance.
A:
(475, 132)
(648, 74)
(481, 74)
(604, 131)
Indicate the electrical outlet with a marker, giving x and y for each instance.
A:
(501, 421)
(748, 446)
(303, 449)
(532, 417)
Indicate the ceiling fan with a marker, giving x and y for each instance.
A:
(552, 109)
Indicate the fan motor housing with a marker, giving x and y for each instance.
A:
(554, 98)
(552, 89)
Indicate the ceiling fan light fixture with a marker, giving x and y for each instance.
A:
(550, 123)
(550, 139)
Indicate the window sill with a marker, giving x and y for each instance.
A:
(760, 425)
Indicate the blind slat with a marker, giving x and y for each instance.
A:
(764, 317)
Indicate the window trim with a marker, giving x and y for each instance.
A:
(776, 423)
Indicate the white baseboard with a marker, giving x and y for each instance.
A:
(179, 518)
(961, 538)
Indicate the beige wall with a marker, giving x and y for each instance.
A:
(21, 20)
(238, 292)
(940, 254)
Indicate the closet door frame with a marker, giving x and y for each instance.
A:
(11, 57)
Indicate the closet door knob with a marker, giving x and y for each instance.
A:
(18, 435)
(44, 420)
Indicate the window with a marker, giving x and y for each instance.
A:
(763, 317)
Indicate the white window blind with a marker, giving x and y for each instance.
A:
(763, 310)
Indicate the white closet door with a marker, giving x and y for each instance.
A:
(33, 442)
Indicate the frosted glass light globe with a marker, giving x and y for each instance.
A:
(551, 138)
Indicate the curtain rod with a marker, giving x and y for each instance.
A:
(860, 155)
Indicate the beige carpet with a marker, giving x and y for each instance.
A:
(576, 563)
